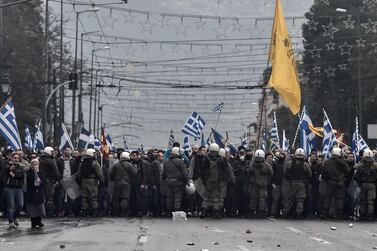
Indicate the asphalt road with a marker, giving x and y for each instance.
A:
(166, 235)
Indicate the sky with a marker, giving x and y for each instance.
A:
(162, 50)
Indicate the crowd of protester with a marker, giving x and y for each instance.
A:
(209, 182)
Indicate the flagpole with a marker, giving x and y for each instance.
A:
(298, 127)
(218, 118)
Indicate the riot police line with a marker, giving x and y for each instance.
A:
(209, 183)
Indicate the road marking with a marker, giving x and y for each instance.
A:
(294, 230)
(320, 240)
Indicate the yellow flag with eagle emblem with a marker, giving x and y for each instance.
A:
(284, 77)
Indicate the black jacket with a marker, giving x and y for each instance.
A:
(34, 194)
(60, 165)
(19, 174)
(47, 166)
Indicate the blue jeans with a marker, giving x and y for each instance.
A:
(15, 201)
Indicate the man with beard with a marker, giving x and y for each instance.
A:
(366, 178)
(297, 174)
(334, 174)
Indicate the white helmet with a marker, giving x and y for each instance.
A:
(259, 155)
(336, 151)
(368, 155)
(190, 188)
(222, 152)
(90, 152)
(175, 151)
(125, 155)
(214, 147)
(49, 150)
(300, 153)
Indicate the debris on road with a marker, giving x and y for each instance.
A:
(190, 243)
(215, 243)
(278, 245)
(350, 225)
(248, 231)
(333, 228)
(375, 247)
(250, 241)
(62, 246)
(179, 216)
(3, 240)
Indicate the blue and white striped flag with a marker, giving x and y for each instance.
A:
(358, 142)
(304, 142)
(264, 141)
(28, 140)
(194, 125)
(38, 144)
(86, 140)
(218, 108)
(305, 124)
(110, 143)
(274, 134)
(285, 144)
(8, 125)
(329, 139)
(125, 144)
(186, 146)
(65, 140)
(97, 143)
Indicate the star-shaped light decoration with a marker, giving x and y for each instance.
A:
(316, 52)
(374, 45)
(349, 23)
(361, 42)
(147, 26)
(370, 26)
(345, 49)
(181, 28)
(317, 69)
(164, 21)
(343, 66)
(330, 46)
(200, 25)
(317, 2)
(330, 72)
(220, 30)
(329, 30)
(369, 2)
(312, 25)
(129, 18)
(236, 25)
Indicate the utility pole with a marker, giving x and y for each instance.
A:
(61, 106)
(46, 68)
(55, 111)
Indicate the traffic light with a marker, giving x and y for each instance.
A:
(72, 77)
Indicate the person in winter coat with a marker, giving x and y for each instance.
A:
(35, 198)
(13, 176)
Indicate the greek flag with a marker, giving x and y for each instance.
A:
(65, 140)
(304, 142)
(306, 124)
(274, 134)
(358, 142)
(97, 143)
(218, 138)
(38, 144)
(285, 144)
(171, 139)
(329, 139)
(194, 125)
(218, 108)
(244, 141)
(28, 140)
(186, 146)
(110, 143)
(8, 125)
(125, 144)
(86, 140)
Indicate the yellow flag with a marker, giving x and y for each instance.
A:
(284, 78)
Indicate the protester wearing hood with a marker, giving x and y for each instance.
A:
(334, 174)
(297, 174)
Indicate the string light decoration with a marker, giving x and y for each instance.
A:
(329, 30)
(318, 2)
(316, 52)
(370, 26)
(181, 28)
(349, 23)
(361, 42)
(345, 49)
(147, 26)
